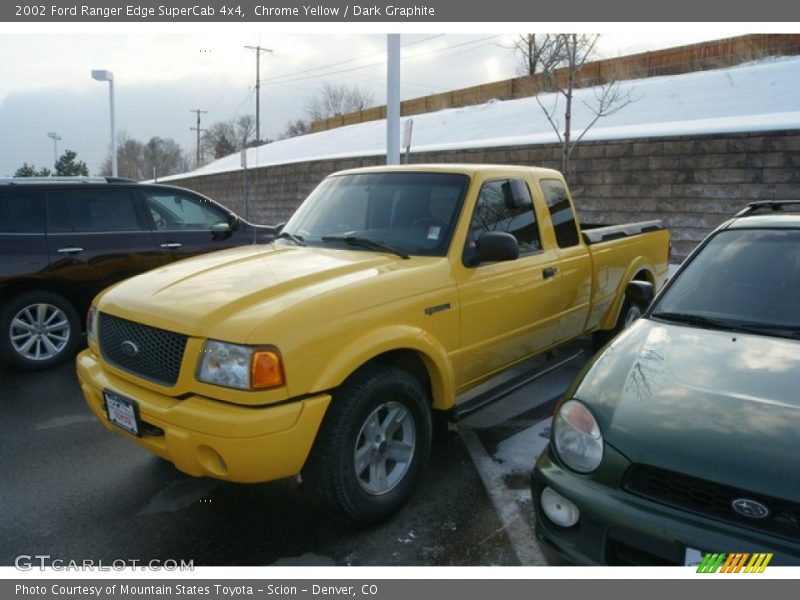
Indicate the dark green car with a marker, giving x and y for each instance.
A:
(682, 437)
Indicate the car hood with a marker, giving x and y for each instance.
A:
(227, 294)
(721, 406)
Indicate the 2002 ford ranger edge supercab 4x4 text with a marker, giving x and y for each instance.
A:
(390, 293)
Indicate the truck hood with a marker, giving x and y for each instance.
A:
(213, 295)
(716, 405)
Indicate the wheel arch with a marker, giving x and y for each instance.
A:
(410, 349)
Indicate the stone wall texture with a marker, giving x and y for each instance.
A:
(692, 183)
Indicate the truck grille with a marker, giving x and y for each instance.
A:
(712, 500)
(148, 352)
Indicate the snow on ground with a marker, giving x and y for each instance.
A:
(518, 453)
(758, 96)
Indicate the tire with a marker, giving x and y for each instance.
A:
(629, 312)
(38, 330)
(378, 423)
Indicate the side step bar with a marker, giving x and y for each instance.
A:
(457, 413)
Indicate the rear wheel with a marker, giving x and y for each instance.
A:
(629, 312)
(372, 446)
(39, 329)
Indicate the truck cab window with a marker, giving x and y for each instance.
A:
(506, 206)
(561, 212)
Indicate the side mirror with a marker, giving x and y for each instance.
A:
(233, 222)
(496, 246)
(640, 292)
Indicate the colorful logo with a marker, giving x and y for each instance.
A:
(734, 563)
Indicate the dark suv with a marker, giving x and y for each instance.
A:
(62, 240)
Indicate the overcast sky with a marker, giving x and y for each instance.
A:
(161, 74)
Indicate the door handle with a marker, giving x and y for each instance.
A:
(549, 272)
(69, 250)
(171, 245)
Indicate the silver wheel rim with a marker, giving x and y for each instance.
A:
(634, 312)
(384, 448)
(39, 332)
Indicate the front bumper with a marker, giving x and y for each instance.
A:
(205, 437)
(619, 528)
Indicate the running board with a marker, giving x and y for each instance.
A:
(457, 413)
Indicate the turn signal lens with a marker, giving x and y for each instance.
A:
(265, 369)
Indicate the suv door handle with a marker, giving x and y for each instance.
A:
(69, 250)
(171, 245)
(549, 272)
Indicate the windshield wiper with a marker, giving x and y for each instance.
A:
(692, 319)
(285, 235)
(729, 325)
(355, 240)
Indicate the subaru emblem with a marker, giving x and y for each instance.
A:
(751, 509)
(129, 348)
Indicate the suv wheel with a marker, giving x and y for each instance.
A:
(38, 329)
(372, 446)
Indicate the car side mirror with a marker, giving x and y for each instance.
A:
(496, 246)
(233, 222)
(640, 292)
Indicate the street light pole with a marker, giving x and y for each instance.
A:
(56, 138)
(104, 75)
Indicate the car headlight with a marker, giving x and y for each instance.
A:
(91, 323)
(242, 367)
(577, 437)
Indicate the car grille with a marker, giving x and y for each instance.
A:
(712, 500)
(159, 352)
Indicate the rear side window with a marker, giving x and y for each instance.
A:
(561, 213)
(92, 211)
(21, 212)
(506, 205)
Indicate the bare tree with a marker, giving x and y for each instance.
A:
(157, 158)
(609, 97)
(339, 99)
(539, 52)
(295, 128)
(245, 131)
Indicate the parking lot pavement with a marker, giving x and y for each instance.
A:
(74, 491)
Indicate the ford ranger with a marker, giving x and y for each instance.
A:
(390, 293)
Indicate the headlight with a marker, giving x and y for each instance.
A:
(242, 367)
(577, 437)
(91, 323)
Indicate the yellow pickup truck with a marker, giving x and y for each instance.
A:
(390, 293)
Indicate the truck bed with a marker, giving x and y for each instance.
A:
(596, 233)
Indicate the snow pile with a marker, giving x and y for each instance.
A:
(760, 96)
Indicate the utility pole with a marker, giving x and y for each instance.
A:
(259, 51)
(198, 130)
(56, 138)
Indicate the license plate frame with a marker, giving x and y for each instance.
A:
(123, 412)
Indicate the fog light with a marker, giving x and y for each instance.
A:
(558, 509)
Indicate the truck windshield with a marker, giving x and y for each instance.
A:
(742, 280)
(412, 213)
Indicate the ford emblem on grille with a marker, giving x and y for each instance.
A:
(129, 348)
(750, 508)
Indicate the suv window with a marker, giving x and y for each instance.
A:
(496, 210)
(21, 212)
(92, 211)
(178, 212)
(561, 213)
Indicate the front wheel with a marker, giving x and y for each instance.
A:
(372, 446)
(40, 329)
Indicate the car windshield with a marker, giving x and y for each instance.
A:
(407, 213)
(742, 280)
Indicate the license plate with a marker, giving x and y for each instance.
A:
(692, 557)
(122, 412)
